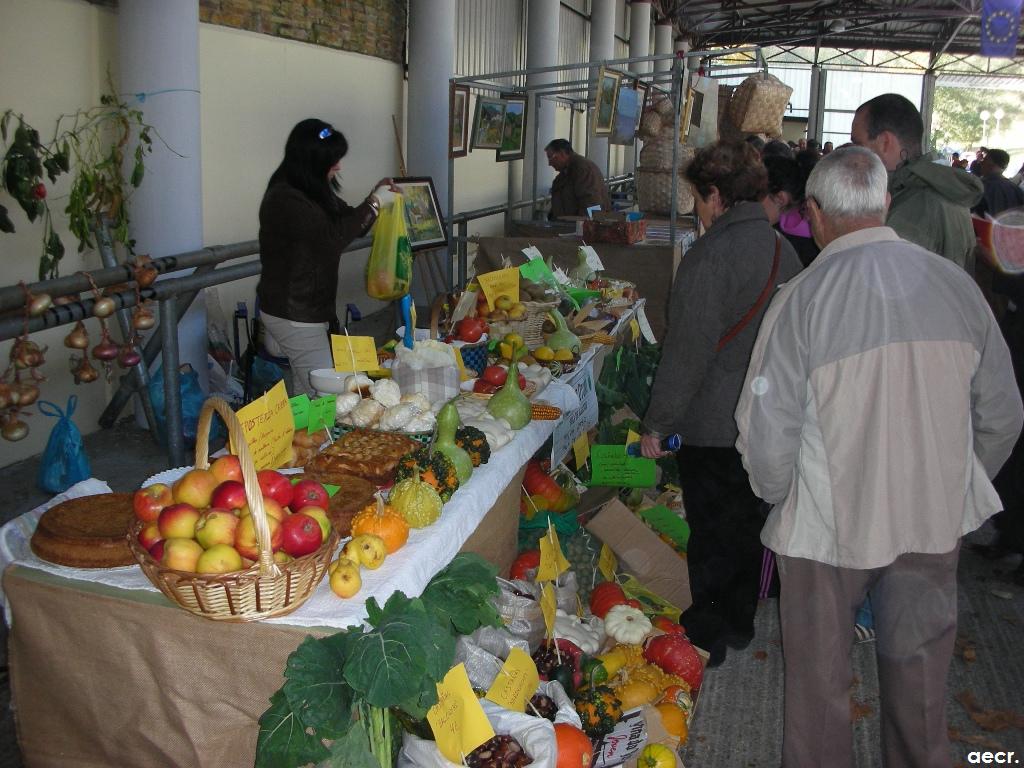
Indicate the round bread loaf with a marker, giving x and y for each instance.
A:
(87, 532)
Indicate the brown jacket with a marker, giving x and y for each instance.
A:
(577, 188)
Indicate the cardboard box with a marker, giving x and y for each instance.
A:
(639, 550)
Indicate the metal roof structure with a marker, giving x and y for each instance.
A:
(928, 34)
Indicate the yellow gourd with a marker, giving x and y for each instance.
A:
(635, 693)
(416, 501)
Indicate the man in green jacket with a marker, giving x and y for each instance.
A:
(931, 201)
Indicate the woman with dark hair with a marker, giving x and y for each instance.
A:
(722, 287)
(304, 227)
(785, 203)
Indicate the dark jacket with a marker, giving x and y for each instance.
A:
(300, 249)
(719, 279)
(1000, 194)
(577, 188)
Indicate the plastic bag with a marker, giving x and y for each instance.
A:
(192, 399)
(389, 268)
(64, 462)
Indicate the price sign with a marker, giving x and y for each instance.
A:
(607, 563)
(458, 720)
(611, 465)
(552, 562)
(593, 260)
(300, 410)
(538, 272)
(548, 607)
(501, 282)
(321, 413)
(516, 682)
(634, 329)
(581, 450)
(579, 420)
(354, 353)
(268, 428)
(533, 252)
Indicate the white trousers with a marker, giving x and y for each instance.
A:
(306, 345)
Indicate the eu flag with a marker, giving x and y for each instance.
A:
(1000, 28)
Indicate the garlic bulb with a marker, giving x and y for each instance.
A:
(418, 400)
(386, 392)
(358, 382)
(425, 422)
(343, 404)
(366, 414)
(397, 416)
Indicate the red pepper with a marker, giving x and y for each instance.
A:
(527, 561)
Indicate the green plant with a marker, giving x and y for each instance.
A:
(90, 144)
(343, 692)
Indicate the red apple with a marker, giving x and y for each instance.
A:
(245, 537)
(229, 495)
(309, 493)
(157, 551)
(216, 526)
(147, 502)
(300, 535)
(226, 468)
(150, 535)
(320, 516)
(178, 521)
(271, 507)
(195, 487)
(182, 554)
(275, 485)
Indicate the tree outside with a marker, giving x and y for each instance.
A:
(957, 125)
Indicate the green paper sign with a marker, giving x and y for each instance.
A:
(321, 413)
(664, 520)
(537, 271)
(300, 410)
(612, 466)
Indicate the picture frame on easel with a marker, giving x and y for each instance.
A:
(604, 104)
(458, 121)
(513, 132)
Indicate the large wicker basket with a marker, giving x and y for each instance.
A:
(758, 104)
(530, 326)
(263, 591)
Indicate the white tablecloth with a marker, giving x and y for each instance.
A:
(409, 569)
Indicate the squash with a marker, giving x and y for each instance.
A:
(635, 693)
(657, 756)
(574, 748)
(509, 402)
(416, 501)
(626, 624)
(437, 470)
(673, 720)
(604, 596)
(380, 519)
(474, 442)
(599, 710)
(444, 442)
(537, 482)
(676, 655)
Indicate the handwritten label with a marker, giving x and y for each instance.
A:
(300, 410)
(268, 428)
(502, 282)
(458, 720)
(548, 607)
(533, 252)
(593, 260)
(664, 520)
(321, 412)
(607, 563)
(354, 353)
(624, 742)
(516, 682)
(581, 450)
(611, 465)
(552, 562)
(538, 272)
(579, 420)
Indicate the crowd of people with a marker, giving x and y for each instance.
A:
(845, 397)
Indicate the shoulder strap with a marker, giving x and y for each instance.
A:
(733, 332)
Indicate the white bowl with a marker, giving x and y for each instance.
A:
(328, 380)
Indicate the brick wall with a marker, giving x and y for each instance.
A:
(372, 27)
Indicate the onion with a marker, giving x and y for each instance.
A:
(71, 298)
(39, 303)
(78, 338)
(145, 276)
(13, 429)
(6, 395)
(84, 373)
(128, 357)
(142, 319)
(104, 307)
(27, 354)
(28, 393)
(106, 350)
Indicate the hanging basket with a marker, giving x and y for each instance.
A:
(263, 591)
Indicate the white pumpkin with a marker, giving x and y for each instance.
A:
(626, 624)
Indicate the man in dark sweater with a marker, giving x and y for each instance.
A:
(1000, 192)
(579, 184)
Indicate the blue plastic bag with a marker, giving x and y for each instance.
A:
(64, 462)
(192, 399)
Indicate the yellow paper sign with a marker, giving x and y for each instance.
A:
(516, 682)
(581, 449)
(461, 365)
(361, 357)
(268, 428)
(458, 720)
(632, 437)
(634, 329)
(501, 282)
(552, 561)
(548, 606)
(607, 563)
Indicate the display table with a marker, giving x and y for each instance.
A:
(650, 267)
(105, 675)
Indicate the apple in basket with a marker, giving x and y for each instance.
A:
(300, 535)
(220, 558)
(216, 526)
(344, 577)
(178, 521)
(181, 554)
(271, 507)
(195, 487)
(229, 495)
(309, 493)
(147, 502)
(245, 537)
(275, 485)
(157, 551)
(150, 535)
(227, 468)
(320, 516)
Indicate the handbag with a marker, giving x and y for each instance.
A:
(733, 332)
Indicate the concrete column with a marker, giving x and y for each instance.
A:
(816, 107)
(927, 106)
(639, 45)
(159, 62)
(541, 51)
(663, 44)
(602, 47)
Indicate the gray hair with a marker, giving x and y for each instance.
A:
(849, 183)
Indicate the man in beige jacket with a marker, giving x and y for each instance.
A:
(878, 405)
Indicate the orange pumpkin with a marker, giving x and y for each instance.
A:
(574, 747)
(382, 520)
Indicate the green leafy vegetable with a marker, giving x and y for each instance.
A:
(460, 595)
(316, 690)
(283, 739)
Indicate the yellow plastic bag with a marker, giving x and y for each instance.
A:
(389, 269)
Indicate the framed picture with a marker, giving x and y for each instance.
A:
(458, 121)
(422, 213)
(513, 132)
(693, 111)
(604, 105)
(627, 112)
(488, 123)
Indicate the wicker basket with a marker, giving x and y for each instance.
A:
(654, 191)
(530, 327)
(759, 103)
(263, 591)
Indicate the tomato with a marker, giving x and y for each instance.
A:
(657, 756)
(527, 561)
(494, 374)
(470, 329)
